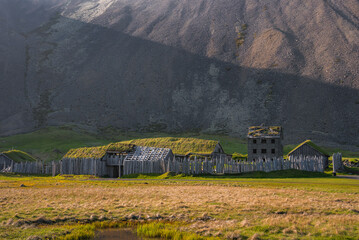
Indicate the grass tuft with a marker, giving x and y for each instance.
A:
(167, 231)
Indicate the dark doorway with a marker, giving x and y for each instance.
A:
(116, 173)
(121, 171)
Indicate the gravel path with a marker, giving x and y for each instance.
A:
(349, 176)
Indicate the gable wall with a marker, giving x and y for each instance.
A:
(4, 162)
(306, 150)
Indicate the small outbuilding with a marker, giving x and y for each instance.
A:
(309, 149)
(10, 157)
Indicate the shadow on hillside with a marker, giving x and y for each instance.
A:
(103, 77)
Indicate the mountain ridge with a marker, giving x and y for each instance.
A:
(175, 66)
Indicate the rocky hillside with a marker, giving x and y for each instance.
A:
(182, 65)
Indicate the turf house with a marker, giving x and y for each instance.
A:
(9, 158)
(138, 156)
(309, 149)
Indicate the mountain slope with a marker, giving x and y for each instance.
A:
(168, 65)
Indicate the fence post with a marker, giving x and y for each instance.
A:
(337, 163)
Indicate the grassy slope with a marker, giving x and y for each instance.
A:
(53, 142)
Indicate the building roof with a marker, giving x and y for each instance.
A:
(179, 146)
(312, 145)
(262, 131)
(149, 154)
(98, 152)
(19, 156)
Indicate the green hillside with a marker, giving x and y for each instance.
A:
(53, 143)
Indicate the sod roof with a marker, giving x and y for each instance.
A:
(311, 144)
(98, 152)
(260, 131)
(19, 156)
(179, 146)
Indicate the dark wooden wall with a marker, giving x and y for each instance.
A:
(306, 150)
(4, 162)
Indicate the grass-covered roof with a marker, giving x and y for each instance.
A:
(179, 146)
(98, 152)
(311, 144)
(260, 131)
(19, 156)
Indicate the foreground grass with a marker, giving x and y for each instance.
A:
(236, 208)
(275, 174)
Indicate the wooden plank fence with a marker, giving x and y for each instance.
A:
(338, 165)
(222, 165)
(84, 166)
(37, 167)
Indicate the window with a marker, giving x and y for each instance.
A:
(254, 150)
(263, 141)
(273, 141)
(254, 141)
(273, 150)
(264, 150)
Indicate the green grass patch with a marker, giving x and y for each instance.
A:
(51, 143)
(167, 231)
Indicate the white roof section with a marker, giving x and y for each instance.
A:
(149, 154)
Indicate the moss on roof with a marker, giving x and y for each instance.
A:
(311, 144)
(179, 146)
(98, 152)
(19, 156)
(120, 147)
(260, 131)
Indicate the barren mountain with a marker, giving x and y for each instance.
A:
(182, 65)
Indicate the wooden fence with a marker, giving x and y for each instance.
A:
(37, 167)
(81, 166)
(98, 167)
(224, 165)
(338, 165)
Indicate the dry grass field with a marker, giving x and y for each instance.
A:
(313, 208)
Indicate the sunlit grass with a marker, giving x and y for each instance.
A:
(269, 208)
